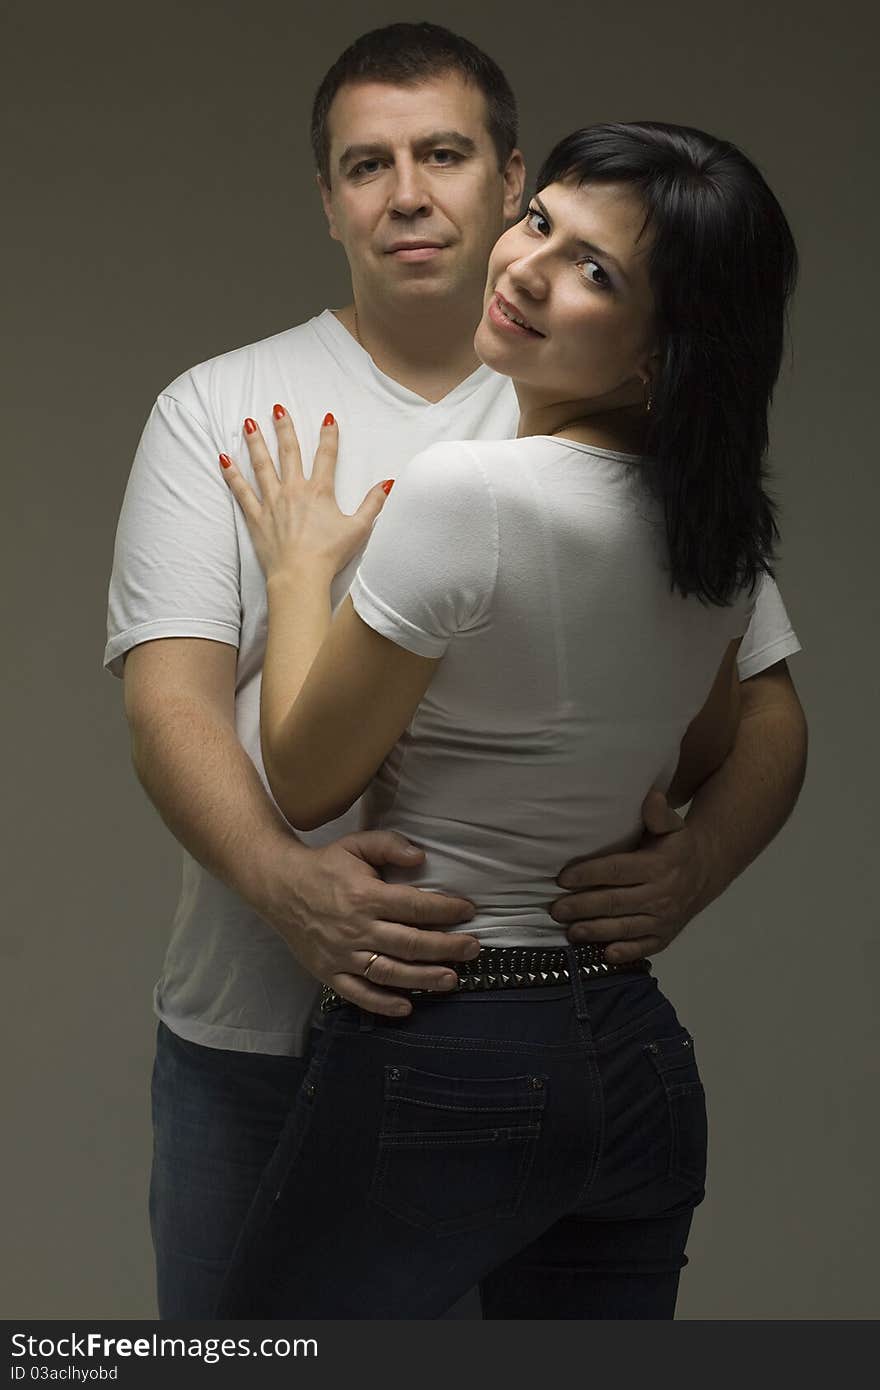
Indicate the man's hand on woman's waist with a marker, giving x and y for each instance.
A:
(335, 913)
(636, 901)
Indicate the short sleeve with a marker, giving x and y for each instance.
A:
(769, 636)
(176, 570)
(430, 567)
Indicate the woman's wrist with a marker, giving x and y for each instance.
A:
(314, 576)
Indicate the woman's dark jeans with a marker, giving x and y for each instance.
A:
(548, 1144)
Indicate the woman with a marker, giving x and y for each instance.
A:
(540, 630)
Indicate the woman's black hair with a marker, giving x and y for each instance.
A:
(723, 265)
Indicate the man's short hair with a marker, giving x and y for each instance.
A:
(404, 55)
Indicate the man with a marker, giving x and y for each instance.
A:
(414, 133)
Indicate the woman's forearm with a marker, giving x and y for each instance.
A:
(299, 618)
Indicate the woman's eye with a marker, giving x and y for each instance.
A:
(533, 217)
(595, 274)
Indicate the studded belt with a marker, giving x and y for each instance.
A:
(514, 967)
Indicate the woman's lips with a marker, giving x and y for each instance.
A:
(496, 315)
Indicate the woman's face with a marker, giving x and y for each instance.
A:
(575, 269)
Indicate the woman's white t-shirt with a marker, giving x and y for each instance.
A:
(536, 568)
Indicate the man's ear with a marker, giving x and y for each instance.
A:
(514, 183)
(328, 207)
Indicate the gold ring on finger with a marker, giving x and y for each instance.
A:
(370, 963)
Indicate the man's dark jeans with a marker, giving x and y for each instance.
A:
(217, 1118)
(548, 1144)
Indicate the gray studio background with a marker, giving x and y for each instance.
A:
(161, 210)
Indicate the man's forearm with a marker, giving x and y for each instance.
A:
(329, 905)
(208, 792)
(743, 805)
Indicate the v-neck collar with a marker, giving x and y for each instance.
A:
(356, 359)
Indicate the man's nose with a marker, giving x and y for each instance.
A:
(410, 196)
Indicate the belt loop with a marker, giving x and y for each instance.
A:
(577, 985)
(367, 1021)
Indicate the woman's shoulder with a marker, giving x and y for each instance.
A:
(473, 462)
(468, 453)
(454, 466)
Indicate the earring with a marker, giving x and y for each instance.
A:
(650, 400)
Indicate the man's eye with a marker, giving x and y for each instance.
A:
(445, 156)
(533, 217)
(366, 166)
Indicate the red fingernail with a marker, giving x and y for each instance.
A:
(250, 426)
(328, 420)
(387, 486)
(278, 411)
(225, 461)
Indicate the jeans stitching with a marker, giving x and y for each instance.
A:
(457, 1225)
(629, 1030)
(426, 1139)
(676, 1170)
(442, 1042)
(391, 1140)
(475, 1109)
(674, 1090)
(599, 1132)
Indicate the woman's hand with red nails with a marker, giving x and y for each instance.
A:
(294, 522)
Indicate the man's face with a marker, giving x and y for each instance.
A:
(416, 196)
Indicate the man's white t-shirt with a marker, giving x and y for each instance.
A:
(184, 566)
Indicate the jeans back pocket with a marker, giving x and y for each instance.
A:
(676, 1065)
(454, 1152)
